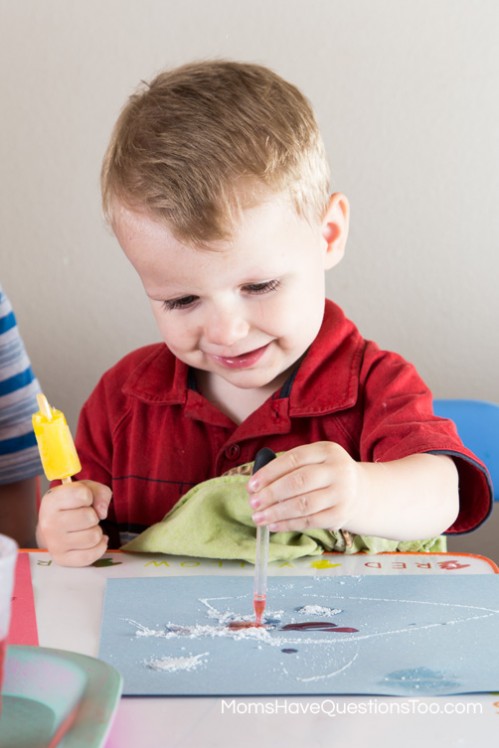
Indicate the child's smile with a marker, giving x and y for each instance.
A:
(243, 360)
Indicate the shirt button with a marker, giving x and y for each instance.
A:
(233, 452)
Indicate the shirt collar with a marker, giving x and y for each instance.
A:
(328, 377)
(159, 379)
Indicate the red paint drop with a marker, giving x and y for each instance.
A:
(236, 625)
(345, 630)
(319, 626)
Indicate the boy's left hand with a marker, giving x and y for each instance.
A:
(312, 486)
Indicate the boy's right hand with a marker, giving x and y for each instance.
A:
(68, 522)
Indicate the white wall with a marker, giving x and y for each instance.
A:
(406, 92)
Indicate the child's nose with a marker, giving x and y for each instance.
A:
(226, 327)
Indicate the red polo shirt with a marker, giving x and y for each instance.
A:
(148, 434)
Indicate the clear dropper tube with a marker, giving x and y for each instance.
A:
(263, 457)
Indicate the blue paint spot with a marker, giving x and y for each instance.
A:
(420, 680)
(271, 620)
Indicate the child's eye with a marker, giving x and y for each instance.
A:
(265, 287)
(183, 302)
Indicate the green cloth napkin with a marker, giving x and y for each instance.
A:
(213, 520)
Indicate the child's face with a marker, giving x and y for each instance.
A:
(246, 309)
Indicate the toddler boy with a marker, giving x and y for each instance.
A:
(216, 186)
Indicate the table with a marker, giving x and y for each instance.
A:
(68, 608)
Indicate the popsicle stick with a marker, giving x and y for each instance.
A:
(44, 406)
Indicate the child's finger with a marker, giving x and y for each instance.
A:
(102, 496)
(76, 520)
(69, 510)
(68, 496)
(292, 464)
(81, 556)
(283, 465)
(328, 519)
(83, 540)
(300, 483)
(303, 508)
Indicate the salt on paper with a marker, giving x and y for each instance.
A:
(174, 664)
(318, 610)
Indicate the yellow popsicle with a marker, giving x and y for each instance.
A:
(57, 450)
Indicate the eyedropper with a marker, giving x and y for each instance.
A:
(263, 457)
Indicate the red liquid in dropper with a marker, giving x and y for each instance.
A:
(259, 607)
(259, 602)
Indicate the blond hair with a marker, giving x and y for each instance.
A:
(190, 147)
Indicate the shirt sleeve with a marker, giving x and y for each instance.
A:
(399, 421)
(19, 458)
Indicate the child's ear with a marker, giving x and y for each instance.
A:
(335, 228)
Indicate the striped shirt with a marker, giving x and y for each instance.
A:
(19, 457)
